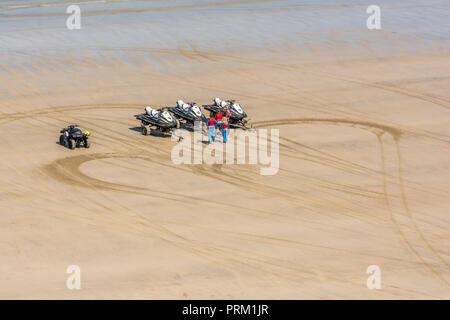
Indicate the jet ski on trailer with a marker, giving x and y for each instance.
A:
(157, 119)
(237, 115)
(188, 113)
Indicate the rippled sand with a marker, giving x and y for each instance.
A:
(364, 151)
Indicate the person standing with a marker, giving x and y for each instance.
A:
(225, 130)
(226, 113)
(212, 123)
(219, 118)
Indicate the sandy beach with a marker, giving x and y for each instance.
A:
(364, 158)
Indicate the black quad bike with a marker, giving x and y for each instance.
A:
(237, 115)
(72, 137)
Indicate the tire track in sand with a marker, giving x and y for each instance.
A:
(406, 234)
(404, 221)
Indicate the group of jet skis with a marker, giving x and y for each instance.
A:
(166, 119)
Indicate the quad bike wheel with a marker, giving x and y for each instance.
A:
(144, 130)
(61, 140)
(72, 144)
(87, 143)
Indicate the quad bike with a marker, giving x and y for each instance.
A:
(160, 120)
(237, 115)
(188, 113)
(73, 137)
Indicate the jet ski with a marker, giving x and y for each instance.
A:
(188, 113)
(159, 119)
(237, 115)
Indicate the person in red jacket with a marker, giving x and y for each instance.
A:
(225, 130)
(226, 113)
(212, 124)
(219, 118)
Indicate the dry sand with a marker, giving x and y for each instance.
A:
(364, 172)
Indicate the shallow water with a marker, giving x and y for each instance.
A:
(40, 26)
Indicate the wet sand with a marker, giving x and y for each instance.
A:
(364, 152)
